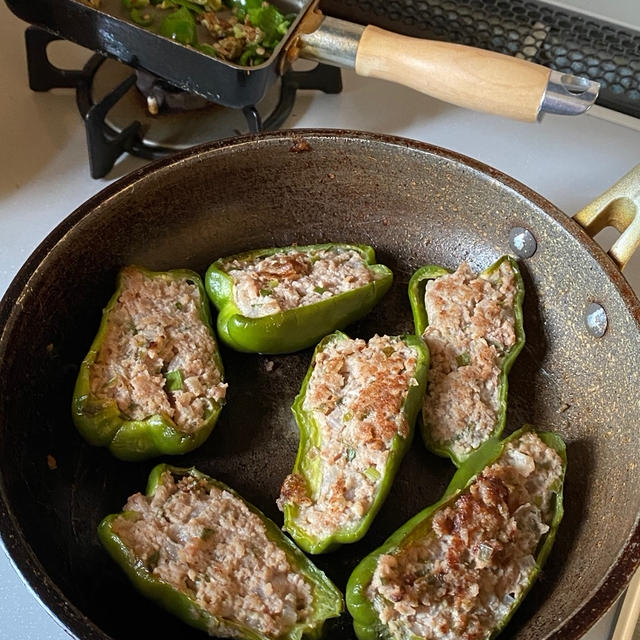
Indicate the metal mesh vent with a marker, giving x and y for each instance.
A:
(563, 40)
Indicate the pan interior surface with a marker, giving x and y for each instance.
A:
(415, 205)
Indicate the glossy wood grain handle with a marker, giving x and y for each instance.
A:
(465, 76)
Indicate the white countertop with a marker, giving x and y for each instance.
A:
(45, 176)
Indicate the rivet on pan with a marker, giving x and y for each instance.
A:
(595, 317)
(522, 242)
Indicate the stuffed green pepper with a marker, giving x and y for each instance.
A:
(356, 412)
(286, 299)
(473, 327)
(459, 569)
(152, 382)
(195, 547)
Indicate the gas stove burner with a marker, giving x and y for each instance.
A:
(166, 120)
(182, 120)
(130, 110)
(161, 96)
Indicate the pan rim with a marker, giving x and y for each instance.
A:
(20, 553)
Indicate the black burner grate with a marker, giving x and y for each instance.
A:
(557, 38)
(106, 144)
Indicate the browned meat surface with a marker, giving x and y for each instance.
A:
(355, 395)
(471, 328)
(291, 279)
(209, 545)
(156, 339)
(473, 560)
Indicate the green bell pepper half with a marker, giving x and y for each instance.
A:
(367, 624)
(293, 329)
(311, 436)
(103, 424)
(417, 285)
(327, 599)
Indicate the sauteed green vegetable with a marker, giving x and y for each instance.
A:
(241, 31)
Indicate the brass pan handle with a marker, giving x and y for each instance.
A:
(618, 207)
(628, 616)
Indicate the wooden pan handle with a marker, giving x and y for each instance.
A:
(465, 76)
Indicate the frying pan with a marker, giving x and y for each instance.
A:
(416, 204)
(466, 76)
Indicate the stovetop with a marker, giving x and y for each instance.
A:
(45, 177)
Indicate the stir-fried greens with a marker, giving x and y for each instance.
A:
(241, 31)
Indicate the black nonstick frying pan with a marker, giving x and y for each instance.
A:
(578, 373)
(466, 76)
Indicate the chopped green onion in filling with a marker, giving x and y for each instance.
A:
(174, 380)
(373, 474)
(463, 359)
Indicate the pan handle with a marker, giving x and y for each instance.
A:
(466, 76)
(618, 207)
(628, 616)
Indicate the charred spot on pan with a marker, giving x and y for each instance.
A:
(300, 145)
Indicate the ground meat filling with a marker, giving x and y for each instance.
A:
(356, 394)
(231, 36)
(289, 279)
(474, 559)
(471, 328)
(157, 356)
(208, 544)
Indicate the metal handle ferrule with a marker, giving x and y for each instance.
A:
(334, 42)
(568, 95)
